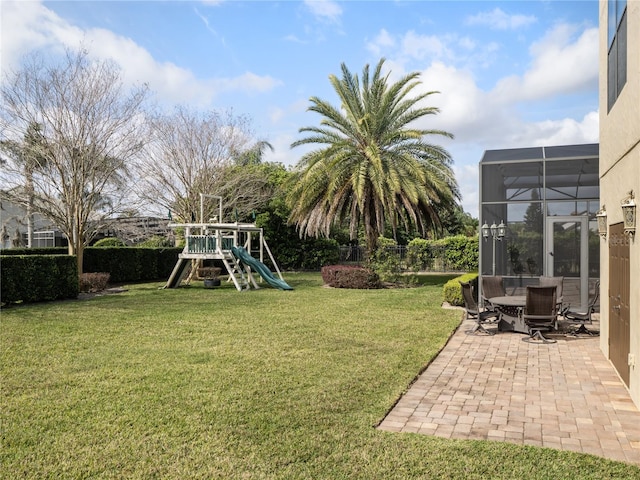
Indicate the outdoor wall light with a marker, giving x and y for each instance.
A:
(601, 216)
(497, 232)
(629, 214)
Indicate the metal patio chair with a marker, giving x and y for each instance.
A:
(584, 317)
(540, 313)
(557, 282)
(492, 286)
(472, 311)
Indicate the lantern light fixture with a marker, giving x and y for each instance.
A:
(601, 216)
(497, 232)
(629, 214)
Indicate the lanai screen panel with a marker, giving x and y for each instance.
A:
(522, 187)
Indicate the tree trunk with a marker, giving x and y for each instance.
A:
(30, 223)
(80, 258)
(29, 188)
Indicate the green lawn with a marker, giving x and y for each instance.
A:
(213, 383)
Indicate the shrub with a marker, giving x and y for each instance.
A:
(385, 261)
(156, 242)
(109, 242)
(35, 251)
(94, 282)
(420, 254)
(318, 252)
(35, 278)
(349, 276)
(452, 291)
(131, 264)
(461, 253)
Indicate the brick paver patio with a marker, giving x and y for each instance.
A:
(564, 395)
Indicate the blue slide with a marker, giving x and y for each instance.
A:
(261, 268)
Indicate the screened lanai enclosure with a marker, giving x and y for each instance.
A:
(538, 209)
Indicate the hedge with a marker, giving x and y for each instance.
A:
(131, 264)
(36, 276)
(33, 278)
(34, 251)
(457, 253)
(452, 291)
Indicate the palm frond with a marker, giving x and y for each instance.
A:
(376, 168)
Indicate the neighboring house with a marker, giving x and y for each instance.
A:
(135, 230)
(619, 62)
(132, 230)
(13, 229)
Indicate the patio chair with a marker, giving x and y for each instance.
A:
(492, 287)
(584, 317)
(472, 311)
(540, 312)
(557, 282)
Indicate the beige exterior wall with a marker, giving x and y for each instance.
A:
(620, 173)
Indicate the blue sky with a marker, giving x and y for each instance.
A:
(513, 73)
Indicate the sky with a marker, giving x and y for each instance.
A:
(507, 74)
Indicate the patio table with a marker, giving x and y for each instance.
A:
(509, 307)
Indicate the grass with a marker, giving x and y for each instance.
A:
(213, 383)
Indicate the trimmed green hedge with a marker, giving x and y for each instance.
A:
(452, 292)
(35, 251)
(457, 253)
(131, 264)
(124, 264)
(34, 278)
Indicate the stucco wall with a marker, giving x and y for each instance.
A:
(620, 173)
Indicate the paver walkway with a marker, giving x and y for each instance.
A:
(564, 395)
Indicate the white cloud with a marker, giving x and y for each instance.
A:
(282, 151)
(463, 106)
(31, 27)
(412, 46)
(277, 114)
(559, 66)
(497, 19)
(563, 131)
(206, 22)
(324, 9)
(489, 119)
(294, 39)
(384, 40)
(483, 119)
(34, 27)
(424, 46)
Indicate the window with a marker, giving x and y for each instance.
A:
(617, 56)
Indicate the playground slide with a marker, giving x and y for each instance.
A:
(261, 268)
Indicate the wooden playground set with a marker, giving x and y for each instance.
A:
(230, 243)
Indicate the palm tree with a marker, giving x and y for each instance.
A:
(252, 155)
(31, 154)
(375, 168)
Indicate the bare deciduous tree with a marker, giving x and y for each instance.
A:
(193, 153)
(90, 127)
